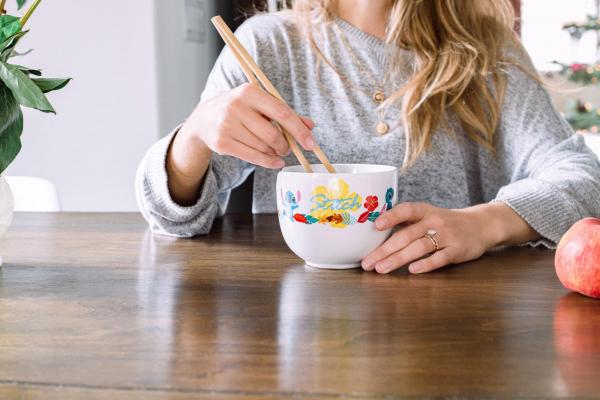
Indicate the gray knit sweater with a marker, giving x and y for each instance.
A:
(540, 169)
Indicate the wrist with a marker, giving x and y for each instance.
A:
(187, 158)
(503, 226)
(495, 223)
(186, 164)
(189, 145)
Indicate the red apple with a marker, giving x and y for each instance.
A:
(577, 258)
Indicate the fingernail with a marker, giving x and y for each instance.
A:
(415, 269)
(280, 164)
(383, 266)
(309, 143)
(380, 223)
(367, 264)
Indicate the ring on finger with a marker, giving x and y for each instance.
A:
(431, 234)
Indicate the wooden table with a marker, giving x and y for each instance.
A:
(93, 306)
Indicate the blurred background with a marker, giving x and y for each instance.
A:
(139, 67)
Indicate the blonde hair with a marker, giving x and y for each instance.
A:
(459, 49)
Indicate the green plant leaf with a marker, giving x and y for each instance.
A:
(9, 26)
(29, 71)
(23, 88)
(21, 3)
(11, 126)
(8, 45)
(48, 85)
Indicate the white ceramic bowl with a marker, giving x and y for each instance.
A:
(328, 219)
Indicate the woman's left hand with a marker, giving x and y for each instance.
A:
(461, 235)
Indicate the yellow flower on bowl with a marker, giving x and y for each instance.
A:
(330, 203)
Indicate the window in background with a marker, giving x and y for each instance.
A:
(568, 32)
(544, 38)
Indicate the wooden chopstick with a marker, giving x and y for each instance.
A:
(254, 73)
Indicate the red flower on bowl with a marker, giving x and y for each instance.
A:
(371, 203)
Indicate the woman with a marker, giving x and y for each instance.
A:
(441, 88)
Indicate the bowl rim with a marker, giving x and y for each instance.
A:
(377, 169)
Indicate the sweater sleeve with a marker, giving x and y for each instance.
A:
(554, 178)
(224, 172)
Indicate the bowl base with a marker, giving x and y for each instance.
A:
(332, 266)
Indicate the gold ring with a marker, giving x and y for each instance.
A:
(431, 236)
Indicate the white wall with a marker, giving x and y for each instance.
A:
(183, 64)
(134, 78)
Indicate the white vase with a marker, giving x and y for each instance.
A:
(7, 206)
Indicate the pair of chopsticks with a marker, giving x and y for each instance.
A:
(257, 77)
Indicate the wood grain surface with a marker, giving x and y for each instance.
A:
(93, 306)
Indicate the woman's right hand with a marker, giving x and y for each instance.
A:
(236, 123)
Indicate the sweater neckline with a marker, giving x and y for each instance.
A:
(353, 31)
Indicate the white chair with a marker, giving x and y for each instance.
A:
(33, 194)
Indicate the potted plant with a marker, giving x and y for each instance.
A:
(19, 87)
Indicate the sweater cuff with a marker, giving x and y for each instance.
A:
(157, 179)
(543, 206)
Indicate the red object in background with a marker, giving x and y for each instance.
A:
(577, 67)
